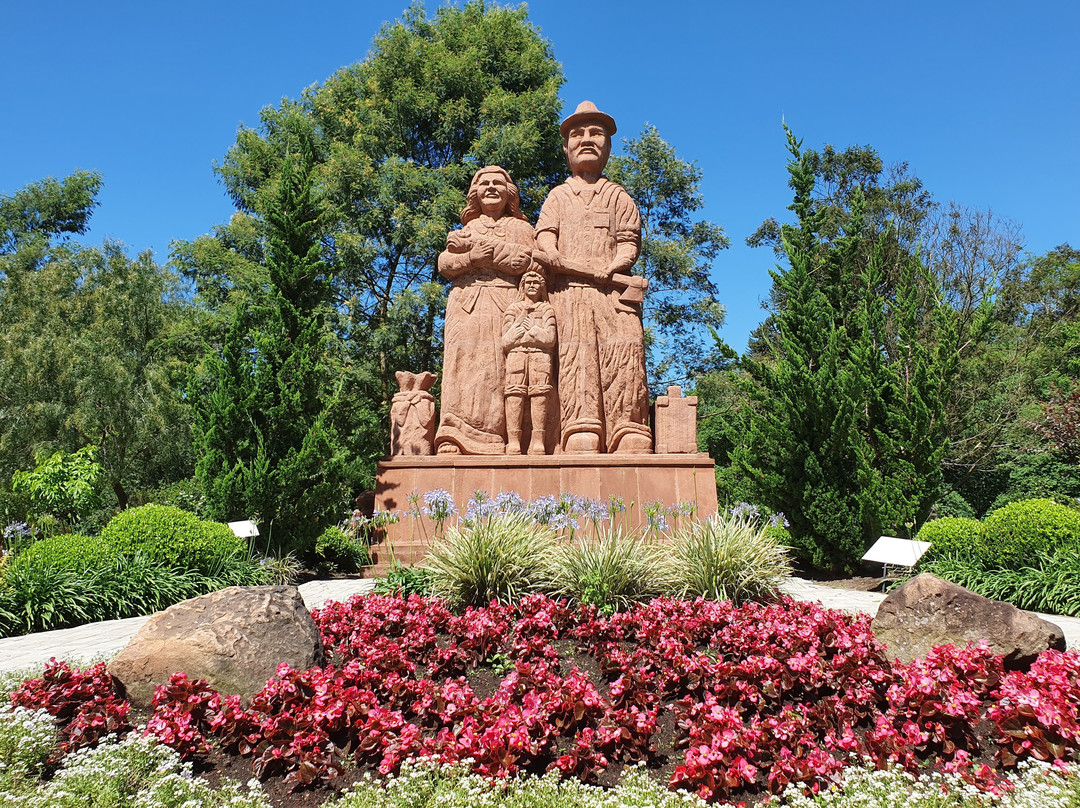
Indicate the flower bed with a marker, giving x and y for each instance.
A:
(732, 703)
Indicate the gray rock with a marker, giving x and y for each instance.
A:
(928, 611)
(234, 639)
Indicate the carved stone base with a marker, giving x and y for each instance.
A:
(671, 479)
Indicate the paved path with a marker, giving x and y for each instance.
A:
(102, 640)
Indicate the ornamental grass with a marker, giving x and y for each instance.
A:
(611, 569)
(729, 557)
(499, 558)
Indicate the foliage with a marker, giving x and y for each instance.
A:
(395, 139)
(67, 486)
(84, 703)
(1013, 533)
(500, 558)
(42, 598)
(183, 494)
(676, 255)
(336, 551)
(267, 443)
(175, 537)
(48, 209)
(729, 558)
(843, 428)
(952, 533)
(137, 772)
(68, 551)
(1040, 475)
(95, 347)
(404, 581)
(27, 738)
(1046, 581)
(282, 570)
(426, 784)
(611, 570)
(953, 504)
(1035, 785)
(41, 595)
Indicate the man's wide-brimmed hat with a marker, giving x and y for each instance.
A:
(587, 111)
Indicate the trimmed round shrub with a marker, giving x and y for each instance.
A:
(1013, 533)
(176, 537)
(69, 551)
(951, 533)
(335, 550)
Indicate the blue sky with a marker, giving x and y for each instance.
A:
(981, 99)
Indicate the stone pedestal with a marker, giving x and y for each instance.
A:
(639, 479)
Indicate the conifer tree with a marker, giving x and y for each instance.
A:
(845, 432)
(268, 447)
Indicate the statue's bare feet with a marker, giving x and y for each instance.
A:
(449, 448)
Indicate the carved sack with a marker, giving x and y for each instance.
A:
(412, 415)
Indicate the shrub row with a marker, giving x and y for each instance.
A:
(145, 560)
(1026, 553)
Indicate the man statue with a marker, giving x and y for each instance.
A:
(588, 237)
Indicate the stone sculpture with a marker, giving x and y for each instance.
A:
(484, 260)
(676, 423)
(529, 339)
(588, 235)
(412, 414)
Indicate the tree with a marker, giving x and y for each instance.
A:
(48, 209)
(267, 445)
(676, 255)
(844, 431)
(395, 139)
(93, 345)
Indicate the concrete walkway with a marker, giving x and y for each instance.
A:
(102, 640)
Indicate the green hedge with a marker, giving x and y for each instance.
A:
(952, 533)
(68, 551)
(1013, 533)
(176, 537)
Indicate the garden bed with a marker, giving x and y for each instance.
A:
(733, 703)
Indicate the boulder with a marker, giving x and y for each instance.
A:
(927, 611)
(234, 639)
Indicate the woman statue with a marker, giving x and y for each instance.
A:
(484, 259)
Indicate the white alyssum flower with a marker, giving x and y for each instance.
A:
(26, 739)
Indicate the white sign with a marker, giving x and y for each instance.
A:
(245, 529)
(896, 552)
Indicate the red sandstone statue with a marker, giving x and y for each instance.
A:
(412, 414)
(589, 235)
(529, 341)
(484, 260)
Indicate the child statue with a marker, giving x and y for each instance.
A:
(528, 339)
